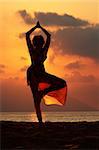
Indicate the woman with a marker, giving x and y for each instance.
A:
(40, 82)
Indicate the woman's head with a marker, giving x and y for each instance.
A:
(38, 41)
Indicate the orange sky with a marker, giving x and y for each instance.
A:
(12, 49)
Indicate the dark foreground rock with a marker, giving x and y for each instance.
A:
(53, 135)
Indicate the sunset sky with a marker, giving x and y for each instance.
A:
(73, 53)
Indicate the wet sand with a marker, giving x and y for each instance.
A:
(54, 135)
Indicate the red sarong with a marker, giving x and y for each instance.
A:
(54, 97)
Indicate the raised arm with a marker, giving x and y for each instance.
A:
(29, 44)
(46, 46)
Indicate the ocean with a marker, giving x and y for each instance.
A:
(69, 116)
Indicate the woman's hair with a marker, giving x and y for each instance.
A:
(38, 40)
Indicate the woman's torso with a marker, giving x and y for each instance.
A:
(38, 57)
(37, 66)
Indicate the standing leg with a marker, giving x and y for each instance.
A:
(38, 110)
(37, 99)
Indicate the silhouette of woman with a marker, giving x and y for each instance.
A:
(40, 82)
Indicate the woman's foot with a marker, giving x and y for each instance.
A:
(41, 124)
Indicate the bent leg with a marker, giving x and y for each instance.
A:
(56, 83)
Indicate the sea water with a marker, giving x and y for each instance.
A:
(69, 116)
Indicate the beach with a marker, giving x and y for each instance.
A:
(53, 135)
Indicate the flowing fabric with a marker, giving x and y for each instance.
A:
(54, 97)
(45, 80)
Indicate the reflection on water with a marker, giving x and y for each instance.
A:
(51, 116)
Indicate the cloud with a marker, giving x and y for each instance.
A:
(14, 78)
(78, 41)
(15, 95)
(79, 105)
(26, 16)
(18, 97)
(51, 59)
(1, 71)
(77, 77)
(21, 35)
(23, 58)
(2, 68)
(87, 94)
(52, 19)
(23, 69)
(75, 65)
(80, 38)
